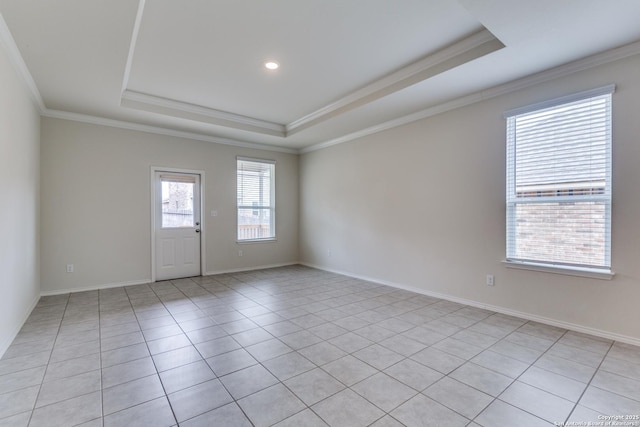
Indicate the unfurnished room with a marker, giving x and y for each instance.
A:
(319, 213)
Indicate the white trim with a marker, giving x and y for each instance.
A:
(4, 346)
(560, 117)
(400, 121)
(561, 71)
(242, 269)
(570, 68)
(592, 273)
(142, 282)
(15, 57)
(272, 201)
(120, 124)
(498, 309)
(152, 182)
(95, 287)
(473, 47)
(255, 159)
(203, 258)
(483, 95)
(591, 93)
(265, 240)
(175, 108)
(132, 46)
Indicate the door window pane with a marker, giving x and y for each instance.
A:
(177, 204)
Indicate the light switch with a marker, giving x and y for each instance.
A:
(214, 213)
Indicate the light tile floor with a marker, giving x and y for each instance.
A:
(295, 346)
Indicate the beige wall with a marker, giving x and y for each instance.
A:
(19, 193)
(423, 206)
(96, 210)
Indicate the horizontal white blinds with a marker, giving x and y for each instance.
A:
(566, 144)
(254, 183)
(255, 199)
(178, 178)
(559, 182)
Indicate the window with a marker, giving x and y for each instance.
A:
(255, 191)
(559, 182)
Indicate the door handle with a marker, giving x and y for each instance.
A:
(197, 230)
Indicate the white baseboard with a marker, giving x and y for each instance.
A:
(498, 309)
(240, 270)
(146, 281)
(94, 287)
(12, 336)
(472, 303)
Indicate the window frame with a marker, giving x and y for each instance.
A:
(252, 207)
(513, 200)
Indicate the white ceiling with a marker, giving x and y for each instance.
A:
(347, 66)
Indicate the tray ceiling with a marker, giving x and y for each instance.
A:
(196, 67)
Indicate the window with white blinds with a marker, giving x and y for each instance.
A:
(255, 199)
(559, 181)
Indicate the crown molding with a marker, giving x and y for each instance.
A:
(132, 46)
(458, 53)
(174, 108)
(120, 124)
(513, 86)
(592, 61)
(473, 47)
(400, 121)
(171, 107)
(15, 57)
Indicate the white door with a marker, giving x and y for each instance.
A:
(177, 225)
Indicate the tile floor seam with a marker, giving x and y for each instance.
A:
(494, 398)
(589, 383)
(563, 375)
(395, 407)
(636, 399)
(258, 391)
(101, 360)
(594, 375)
(516, 379)
(33, 409)
(306, 405)
(523, 410)
(166, 395)
(364, 379)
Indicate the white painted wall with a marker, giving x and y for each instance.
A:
(423, 206)
(19, 194)
(96, 211)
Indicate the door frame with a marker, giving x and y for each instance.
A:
(154, 169)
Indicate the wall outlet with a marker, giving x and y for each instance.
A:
(69, 268)
(490, 280)
(214, 213)
(240, 253)
(329, 253)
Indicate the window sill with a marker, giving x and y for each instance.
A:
(592, 273)
(256, 241)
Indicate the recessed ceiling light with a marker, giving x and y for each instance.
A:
(271, 65)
